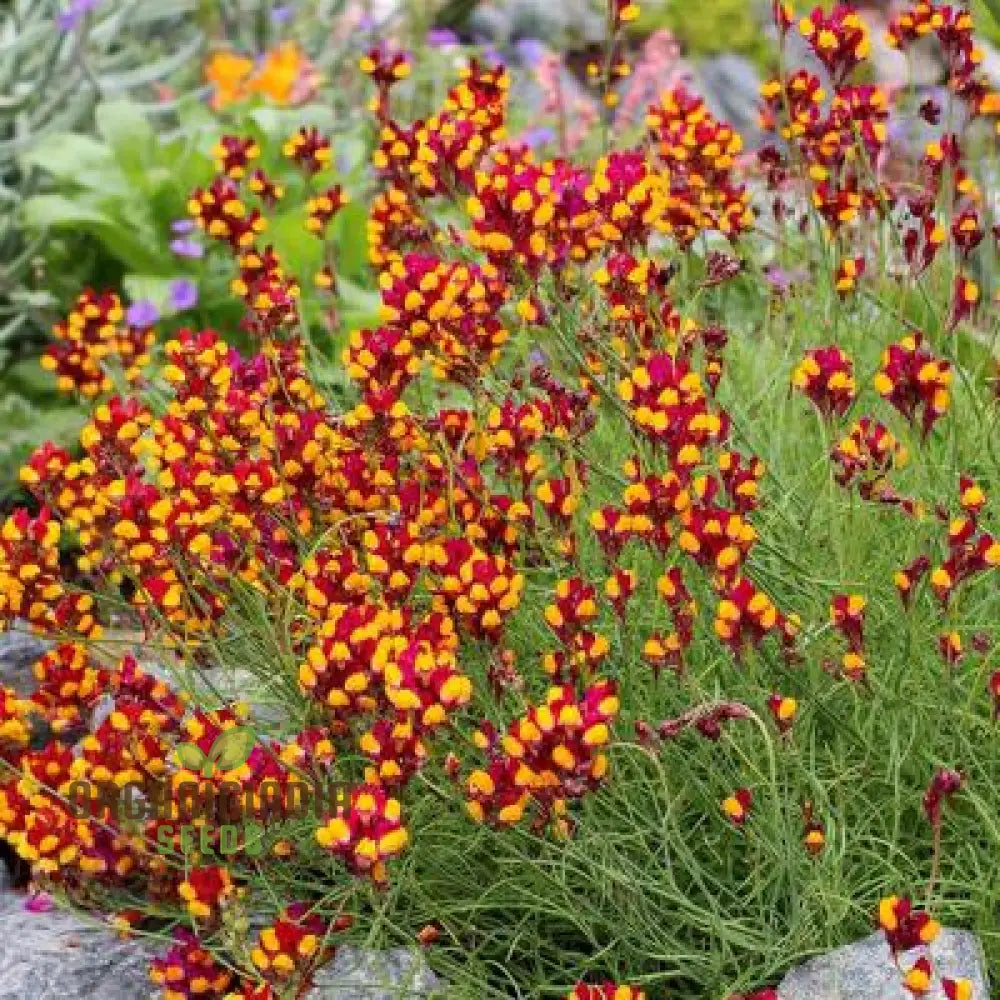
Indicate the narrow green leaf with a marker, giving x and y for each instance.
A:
(160, 69)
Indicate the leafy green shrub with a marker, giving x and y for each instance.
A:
(55, 68)
(59, 63)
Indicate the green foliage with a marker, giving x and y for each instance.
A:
(116, 191)
(710, 28)
(655, 887)
(52, 81)
(113, 196)
(987, 13)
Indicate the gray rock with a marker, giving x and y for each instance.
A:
(360, 974)
(730, 85)
(865, 971)
(18, 652)
(57, 956)
(570, 23)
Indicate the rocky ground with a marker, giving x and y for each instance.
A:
(53, 955)
(864, 970)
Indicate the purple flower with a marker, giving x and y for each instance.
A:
(183, 294)
(187, 248)
(142, 314)
(183, 226)
(531, 51)
(440, 38)
(781, 280)
(74, 13)
(282, 14)
(537, 136)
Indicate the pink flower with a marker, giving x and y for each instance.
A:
(39, 902)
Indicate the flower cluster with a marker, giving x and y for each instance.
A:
(668, 402)
(187, 970)
(826, 376)
(204, 890)
(222, 214)
(366, 833)
(914, 381)
(31, 580)
(903, 926)
(971, 548)
(868, 452)
(839, 39)
(699, 153)
(606, 991)
(906, 928)
(554, 753)
(745, 615)
(842, 139)
(292, 943)
(284, 75)
(69, 684)
(955, 33)
(93, 343)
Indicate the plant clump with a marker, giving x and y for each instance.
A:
(525, 560)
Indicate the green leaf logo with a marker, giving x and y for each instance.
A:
(189, 755)
(231, 748)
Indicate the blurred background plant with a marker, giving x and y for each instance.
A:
(711, 28)
(58, 62)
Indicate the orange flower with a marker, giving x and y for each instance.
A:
(282, 70)
(283, 75)
(228, 73)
